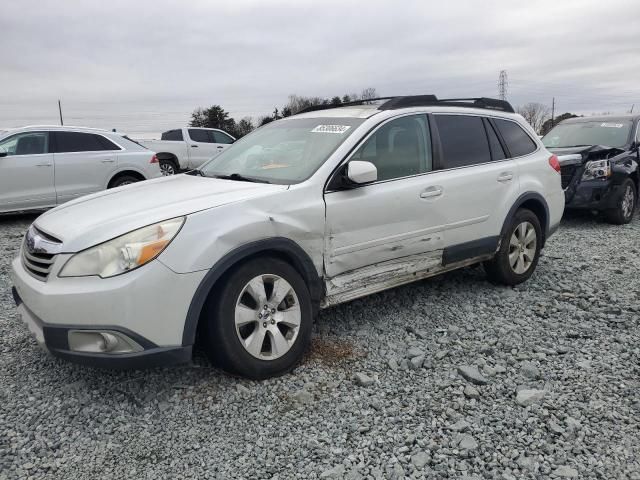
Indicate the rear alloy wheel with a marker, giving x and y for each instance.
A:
(519, 250)
(124, 180)
(625, 205)
(259, 324)
(522, 248)
(168, 167)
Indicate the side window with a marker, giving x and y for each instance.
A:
(107, 144)
(463, 140)
(220, 137)
(173, 135)
(198, 135)
(497, 151)
(399, 148)
(68, 142)
(518, 141)
(31, 143)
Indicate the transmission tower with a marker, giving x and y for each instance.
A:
(503, 83)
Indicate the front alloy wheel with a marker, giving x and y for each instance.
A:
(257, 320)
(267, 317)
(168, 167)
(625, 207)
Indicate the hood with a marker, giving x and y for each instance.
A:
(93, 219)
(582, 153)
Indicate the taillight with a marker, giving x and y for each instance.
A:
(154, 159)
(555, 164)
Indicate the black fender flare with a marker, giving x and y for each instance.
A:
(518, 203)
(296, 254)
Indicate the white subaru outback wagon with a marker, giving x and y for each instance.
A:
(306, 212)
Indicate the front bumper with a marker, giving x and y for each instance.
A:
(596, 194)
(146, 307)
(55, 340)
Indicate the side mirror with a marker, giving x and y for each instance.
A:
(361, 172)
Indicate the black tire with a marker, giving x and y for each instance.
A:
(499, 269)
(222, 340)
(623, 213)
(123, 180)
(169, 167)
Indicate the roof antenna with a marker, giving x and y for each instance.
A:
(60, 110)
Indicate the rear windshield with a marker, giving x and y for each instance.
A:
(612, 133)
(286, 152)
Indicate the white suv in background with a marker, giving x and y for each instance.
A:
(44, 166)
(306, 212)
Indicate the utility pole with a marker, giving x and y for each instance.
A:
(503, 83)
(60, 111)
(553, 111)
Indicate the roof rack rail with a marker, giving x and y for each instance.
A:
(314, 108)
(393, 103)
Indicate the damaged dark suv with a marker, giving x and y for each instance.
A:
(599, 158)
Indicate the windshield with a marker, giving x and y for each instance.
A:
(613, 133)
(288, 151)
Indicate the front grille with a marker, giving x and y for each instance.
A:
(39, 252)
(38, 264)
(567, 172)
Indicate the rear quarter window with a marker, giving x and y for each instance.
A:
(518, 141)
(173, 135)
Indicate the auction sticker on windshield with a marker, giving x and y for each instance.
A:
(612, 125)
(331, 129)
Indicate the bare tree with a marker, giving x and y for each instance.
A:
(368, 93)
(535, 113)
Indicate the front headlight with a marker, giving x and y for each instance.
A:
(597, 169)
(124, 253)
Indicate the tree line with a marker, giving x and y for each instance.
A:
(537, 114)
(217, 117)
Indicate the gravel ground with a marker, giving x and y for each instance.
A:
(446, 378)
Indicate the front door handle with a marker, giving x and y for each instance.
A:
(431, 192)
(220, 147)
(44, 164)
(505, 177)
(108, 160)
(194, 146)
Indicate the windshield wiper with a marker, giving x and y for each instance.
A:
(240, 178)
(196, 172)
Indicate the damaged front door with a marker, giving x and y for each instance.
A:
(377, 231)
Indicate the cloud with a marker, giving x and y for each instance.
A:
(145, 65)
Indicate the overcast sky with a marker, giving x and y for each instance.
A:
(143, 66)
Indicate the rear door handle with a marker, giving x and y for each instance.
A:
(194, 146)
(431, 192)
(505, 177)
(108, 160)
(221, 147)
(44, 164)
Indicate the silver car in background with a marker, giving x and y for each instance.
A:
(45, 166)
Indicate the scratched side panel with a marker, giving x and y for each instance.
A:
(382, 276)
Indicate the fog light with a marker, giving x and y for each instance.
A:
(101, 341)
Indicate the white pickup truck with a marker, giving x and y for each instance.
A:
(187, 148)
